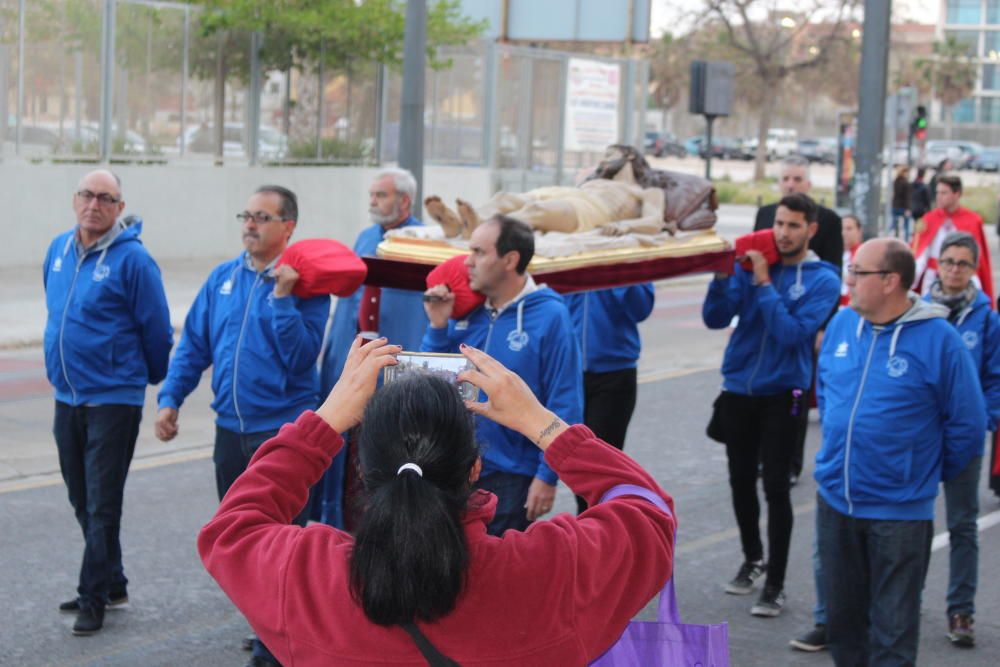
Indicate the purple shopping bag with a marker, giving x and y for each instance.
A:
(667, 642)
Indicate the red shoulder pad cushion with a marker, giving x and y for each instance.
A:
(455, 275)
(325, 266)
(762, 241)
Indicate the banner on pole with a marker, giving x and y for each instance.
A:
(592, 92)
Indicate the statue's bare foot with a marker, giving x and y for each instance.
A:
(470, 219)
(449, 221)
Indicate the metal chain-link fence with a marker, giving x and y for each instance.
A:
(141, 81)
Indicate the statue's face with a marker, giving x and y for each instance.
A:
(613, 157)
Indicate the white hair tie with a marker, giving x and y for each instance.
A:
(410, 466)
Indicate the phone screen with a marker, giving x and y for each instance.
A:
(446, 366)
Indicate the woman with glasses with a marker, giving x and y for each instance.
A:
(422, 576)
(971, 312)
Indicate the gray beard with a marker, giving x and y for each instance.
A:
(384, 220)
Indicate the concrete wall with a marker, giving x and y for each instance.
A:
(189, 210)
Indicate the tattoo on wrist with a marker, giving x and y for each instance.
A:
(556, 423)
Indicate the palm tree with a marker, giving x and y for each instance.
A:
(951, 73)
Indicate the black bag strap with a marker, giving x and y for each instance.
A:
(433, 656)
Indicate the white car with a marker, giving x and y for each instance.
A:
(271, 144)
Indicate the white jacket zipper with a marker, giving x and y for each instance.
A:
(850, 425)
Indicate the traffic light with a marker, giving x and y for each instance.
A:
(918, 127)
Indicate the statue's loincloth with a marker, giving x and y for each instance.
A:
(593, 207)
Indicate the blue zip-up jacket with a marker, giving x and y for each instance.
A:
(401, 314)
(262, 350)
(607, 325)
(533, 337)
(108, 330)
(979, 326)
(771, 350)
(901, 410)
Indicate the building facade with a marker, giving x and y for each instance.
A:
(975, 23)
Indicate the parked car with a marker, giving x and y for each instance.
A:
(781, 142)
(822, 151)
(201, 139)
(662, 144)
(961, 153)
(988, 159)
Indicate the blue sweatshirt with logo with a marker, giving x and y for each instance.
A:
(262, 349)
(771, 350)
(979, 327)
(533, 337)
(901, 410)
(607, 325)
(108, 330)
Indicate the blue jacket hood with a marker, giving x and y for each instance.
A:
(533, 337)
(897, 412)
(771, 350)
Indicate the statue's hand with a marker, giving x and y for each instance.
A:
(612, 229)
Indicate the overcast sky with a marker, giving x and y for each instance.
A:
(670, 14)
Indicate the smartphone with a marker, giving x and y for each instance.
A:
(447, 366)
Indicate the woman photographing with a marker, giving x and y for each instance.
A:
(422, 577)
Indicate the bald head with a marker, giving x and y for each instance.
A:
(879, 279)
(104, 177)
(97, 203)
(897, 258)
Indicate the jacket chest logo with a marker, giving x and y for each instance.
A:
(796, 292)
(227, 287)
(57, 265)
(897, 367)
(971, 339)
(841, 351)
(517, 340)
(101, 271)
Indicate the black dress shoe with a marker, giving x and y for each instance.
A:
(88, 622)
(116, 599)
(257, 661)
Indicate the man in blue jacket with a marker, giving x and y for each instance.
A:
(107, 336)
(394, 313)
(898, 417)
(261, 341)
(971, 314)
(606, 323)
(527, 328)
(766, 372)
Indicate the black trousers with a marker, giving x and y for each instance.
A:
(95, 446)
(608, 404)
(762, 429)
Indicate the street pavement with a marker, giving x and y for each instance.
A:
(178, 616)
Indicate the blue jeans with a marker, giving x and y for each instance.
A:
(511, 491)
(961, 497)
(232, 455)
(95, 446)
(819, 609)
(899, 216)
(874, 573)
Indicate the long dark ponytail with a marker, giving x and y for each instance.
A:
(410, 556)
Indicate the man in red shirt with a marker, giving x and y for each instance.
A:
(946, 218)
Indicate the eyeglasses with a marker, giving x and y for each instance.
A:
(855, 272)
(951, 264)
(259, 217)
(103, 198)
